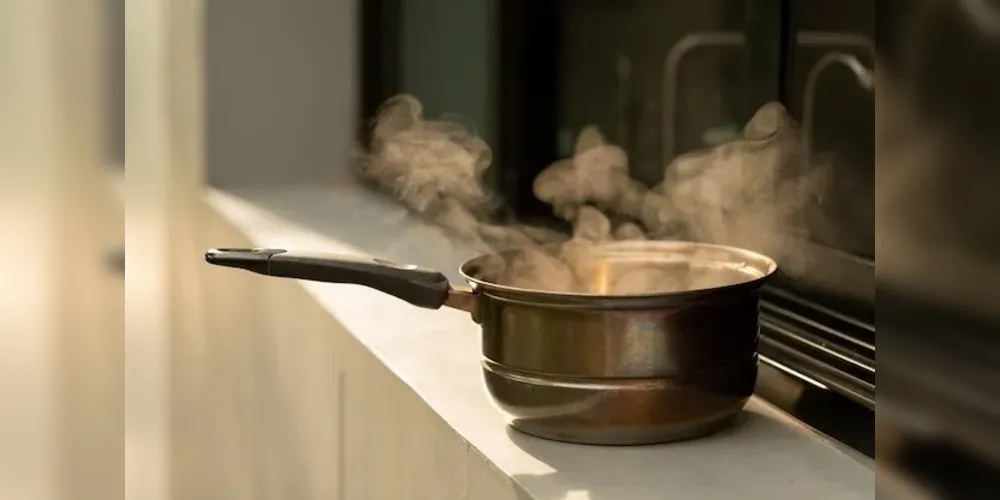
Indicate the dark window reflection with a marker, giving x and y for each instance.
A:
(832, 43)
(660, 78)
(636, 68)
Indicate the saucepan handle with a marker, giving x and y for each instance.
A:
(418, 286)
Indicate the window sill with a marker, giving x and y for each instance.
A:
(437, 355)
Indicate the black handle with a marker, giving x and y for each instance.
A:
(416, 285)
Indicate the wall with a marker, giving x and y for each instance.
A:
(281, 79)
(115, 83)
(61, 312)
(275, 399)
(280, 90)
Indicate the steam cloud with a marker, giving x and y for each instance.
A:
(750, 193)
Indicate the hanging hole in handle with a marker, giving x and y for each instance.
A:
(404, 267)
(243, 250)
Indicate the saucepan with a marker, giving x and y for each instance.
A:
(598, 363)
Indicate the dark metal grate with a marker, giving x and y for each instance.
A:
(830, 349)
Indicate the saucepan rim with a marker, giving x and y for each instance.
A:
(765, 267)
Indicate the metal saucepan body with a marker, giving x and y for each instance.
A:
(591, 367)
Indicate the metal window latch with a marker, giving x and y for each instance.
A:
(671, 83)
(864, 75)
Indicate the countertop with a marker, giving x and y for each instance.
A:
(437, 354)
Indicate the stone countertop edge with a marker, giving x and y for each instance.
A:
(437, 354)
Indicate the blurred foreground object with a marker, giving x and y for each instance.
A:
(61, 311)
(116, 261)
(937, 120)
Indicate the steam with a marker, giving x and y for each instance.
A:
(750, 193)
(436, 168)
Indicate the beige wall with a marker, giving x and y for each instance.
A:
(114, 106)
(274, 399)
(237, 386)
(280, 78)
(61, 311)
(255, 391)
